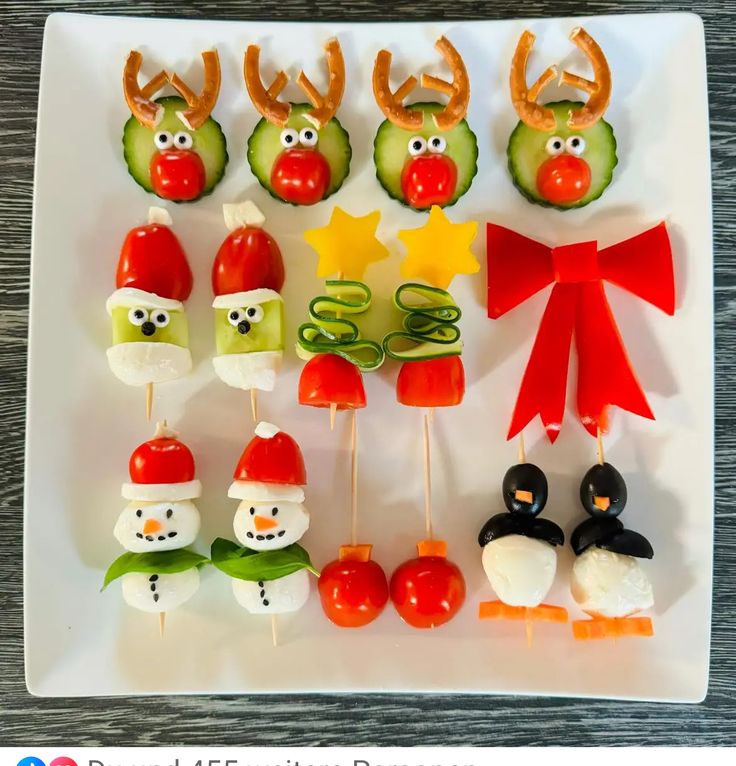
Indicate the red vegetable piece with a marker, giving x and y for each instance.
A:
(276, 460)
(329, 379)
(161, 461)
(248, 259)
(564, 179)
(429, 180)
(177, 175)
(431, 383)
(300, 176)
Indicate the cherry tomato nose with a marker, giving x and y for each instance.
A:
(563, 179)
(177, 175)
(300, 176)
(429, 180)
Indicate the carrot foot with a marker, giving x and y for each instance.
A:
(612, 627)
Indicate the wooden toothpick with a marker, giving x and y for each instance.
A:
(333, 412)
(601, 455)
(528, 629)
(149, 400)
(427, 476)
(161, 623)
(275, 629)
(254, 404)
(522, 448)
(354, 479)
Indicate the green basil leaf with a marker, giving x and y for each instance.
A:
(247, 564)
(160, 562)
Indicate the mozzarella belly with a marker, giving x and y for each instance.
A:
(143, 362)
(287, 594)
(608, 584)
(159, 593)
(521, 570)
(257, 369)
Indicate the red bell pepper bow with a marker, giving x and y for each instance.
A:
(519, 267)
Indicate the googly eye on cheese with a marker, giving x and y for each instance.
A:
(150, 333)
(158, 572)
(270, 570)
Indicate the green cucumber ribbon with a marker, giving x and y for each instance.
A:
(158, 562)
(430, 328)
(327, 333)
(254, 566)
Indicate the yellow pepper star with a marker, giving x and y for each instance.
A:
(439, 250)
(347, 245)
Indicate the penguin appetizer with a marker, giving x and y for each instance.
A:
(519, 551)
(607, 581)
(158, 571)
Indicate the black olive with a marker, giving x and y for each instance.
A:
(628, 543)
(525, 477)
(592, 531)
(603, 481)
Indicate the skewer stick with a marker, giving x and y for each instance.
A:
(601, 455)
(161, 623)
(333, 412)
(528, 629)
(275, 629)
(354, 479)
(427, 476)
(254, 404)
(149, 400)
(522, 448)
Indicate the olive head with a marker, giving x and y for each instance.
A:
(525, 489)
(603, 491)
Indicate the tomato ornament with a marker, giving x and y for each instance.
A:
(300, 176)
(429, 180)
(431, 383)
(273, 457)
(353, 589)
(161, 460)
(429, 590)
(564, 179)
(328, 379)
(177, 175)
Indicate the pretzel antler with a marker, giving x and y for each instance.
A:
(391, 103)
(200, 106)
(458, 90)
(139, 100)
(599, 88)
(265, 100)
(326, 106)
(524, 99)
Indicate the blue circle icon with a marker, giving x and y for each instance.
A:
(31, 760)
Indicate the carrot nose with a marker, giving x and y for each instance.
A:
(604, 503)
(151, 526)
(524, 496)
(263, 523)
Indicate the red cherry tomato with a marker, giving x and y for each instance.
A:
(563, 179)
(429, 590)
(353, 590)
(177, 175)
(329, 379)
(429, 179)
(276, 460)
(248, 258)
(300, 176)
(161, 461)
(432, 383)
(152, 259)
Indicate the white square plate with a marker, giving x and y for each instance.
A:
(83, 423)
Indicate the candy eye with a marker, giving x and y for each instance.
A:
(254, 314)
(308, 137)
(160, 317)
(235, 316)
(436, 144)
(555, 146)
(417, 146)
(137, 316)
(289, 137)
(183, 140)
(163, 139)
(575, 145)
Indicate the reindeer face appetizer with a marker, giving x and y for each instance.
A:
(425, 153)
(561, 154)
(300, 154)
(172, 146)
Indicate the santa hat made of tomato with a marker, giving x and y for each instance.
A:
(235, 284)
(162, 470)
(153, 271)
(271, 468)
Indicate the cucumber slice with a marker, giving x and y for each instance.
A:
(208, 142)
(390, 152)
(526, 152)
(264, 146)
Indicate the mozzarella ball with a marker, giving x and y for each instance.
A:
(608, 584)
(520, 569)
(145, 527)
(287, 594)
(144, 362)
(267, 526)
(159, 592)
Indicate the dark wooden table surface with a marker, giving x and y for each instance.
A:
(345, 720)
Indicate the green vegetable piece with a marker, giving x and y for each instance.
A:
(208, 142)
(390, 151)
(333, 143)
(161, 562)
(526, 153)
(265, 335)
(246, 564)
(124, 331)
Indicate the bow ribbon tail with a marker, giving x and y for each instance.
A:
(605, 374)
(544, 384)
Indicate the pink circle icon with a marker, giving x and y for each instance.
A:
(63, 760)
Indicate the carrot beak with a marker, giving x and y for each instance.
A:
(523, 496)
(151, 527)
(604, 503)
(262, 523)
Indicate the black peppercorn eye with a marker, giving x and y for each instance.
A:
(252, 511)
(274, 511)
(169, 513)
(139, 513)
